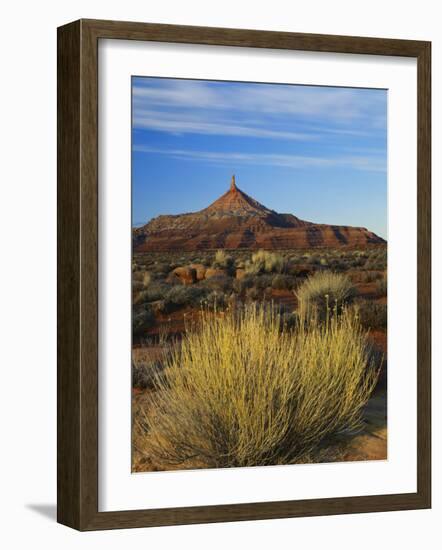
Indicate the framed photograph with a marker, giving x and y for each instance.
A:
(243, 274)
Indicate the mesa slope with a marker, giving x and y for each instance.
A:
(236, 220)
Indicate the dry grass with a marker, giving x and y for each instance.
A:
(246, 391)
(371, 314)
(223, 260)
(144, 373)
(142, 277)
(266, 262)
(324, 292)
(382, 284)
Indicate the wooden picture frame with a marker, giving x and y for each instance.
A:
(78, 274)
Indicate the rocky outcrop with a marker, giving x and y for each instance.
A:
(235, 221)
(200, 271)
(186, 275)
(214, 272)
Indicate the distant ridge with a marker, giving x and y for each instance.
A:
(236, 220)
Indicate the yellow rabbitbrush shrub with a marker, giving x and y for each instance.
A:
(323, 294)
(264, 261)
(244, 391)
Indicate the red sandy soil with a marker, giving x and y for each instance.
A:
(174, 323)
(366, 290)
(284, 297)
(379, 339)
(371, 443)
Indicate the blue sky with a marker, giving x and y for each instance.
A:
(317, 152)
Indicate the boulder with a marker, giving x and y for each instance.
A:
(200, 271)
(187, 275)
(213, 272)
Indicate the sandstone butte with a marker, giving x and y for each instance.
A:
(236, 220)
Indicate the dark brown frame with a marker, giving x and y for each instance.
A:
(78, 269)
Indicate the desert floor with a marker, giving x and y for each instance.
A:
(157, 273)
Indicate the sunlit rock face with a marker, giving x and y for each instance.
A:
(236, 220)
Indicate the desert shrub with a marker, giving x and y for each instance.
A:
(381, 285)
(161, 267)
(356, 262)
(360, 254)
(144, 374)
(223, 261)
(252, 285)
(263, 281)
(290, 320)
(241, 285)
(155, 291)
(296, 259)
(313, 259)
(337, 264)
(340, 264)
(180, 295)
(139, 296)
(253, 268)
(216, 300)
(377, 259)
(143, 318)
(324, 291)
(245, 391)
(253, 293)
(299, 270)
(372, 315)
(143, 277)
(137, 286)
(221, 283)
(266, 262)
(284, 282)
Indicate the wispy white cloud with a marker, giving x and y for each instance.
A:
(335, 103)
(185, 123)
(278, 111)
(179, 93)
(359, 162)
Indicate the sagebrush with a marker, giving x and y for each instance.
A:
(264, 261)
(323, 293)
(245, 390)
